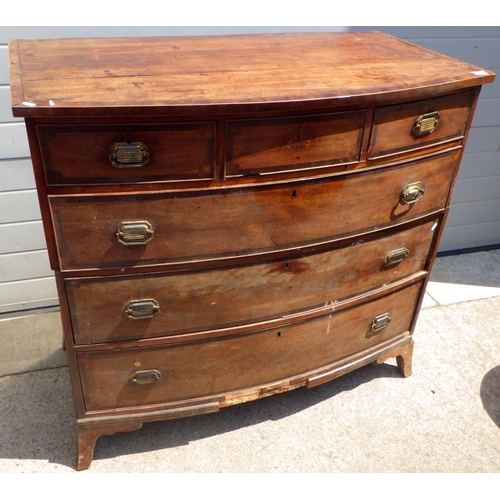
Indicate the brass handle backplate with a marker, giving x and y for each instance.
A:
(411, 193)
(426, 124)
(142, 309)
(145, 377)
(380, 322)
(134, 232)
(396, 256)
(129, 155)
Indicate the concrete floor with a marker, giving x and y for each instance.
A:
(444, 418)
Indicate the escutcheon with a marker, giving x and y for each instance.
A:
(145, 377)
(134, 232)
(426, 124)
(412, 193)
(129, 155)
(380, 322)
(142, 309)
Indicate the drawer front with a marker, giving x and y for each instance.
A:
(144, 376)
(134, 307)
(297, 143)
(101, 154)
(408, 127)
(193, 226)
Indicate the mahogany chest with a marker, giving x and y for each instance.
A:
(231, 217)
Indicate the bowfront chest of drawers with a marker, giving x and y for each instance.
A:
(234, 217)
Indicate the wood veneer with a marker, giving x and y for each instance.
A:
(281, 232)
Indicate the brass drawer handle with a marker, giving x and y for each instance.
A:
(145, 377)
(134, 232)
(396, 256)
(142, 309)
(411, 193)
(129, 155)
(426, 124)
(380, 322)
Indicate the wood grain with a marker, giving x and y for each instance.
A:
(79, 154)
(193, 226)
(274, 196)
(231, 296)
(279, 144)
(393, 125)
(145, 75)
(231, 364)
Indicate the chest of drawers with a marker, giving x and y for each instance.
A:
(234, 217)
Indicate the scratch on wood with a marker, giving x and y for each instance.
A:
(329, 323)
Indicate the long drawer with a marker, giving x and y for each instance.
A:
(106, 309)
(145, 376)
(132, 230)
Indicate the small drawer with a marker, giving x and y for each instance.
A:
(298, 143)
(412, 126)
(155, 375)
(108, 309)
(112, 154)
(133, 230)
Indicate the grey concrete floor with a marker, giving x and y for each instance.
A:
(444, 418)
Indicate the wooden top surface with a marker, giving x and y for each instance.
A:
(109, 76)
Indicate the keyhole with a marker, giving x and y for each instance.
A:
(294, 193)
(287, 265)
(278, 334)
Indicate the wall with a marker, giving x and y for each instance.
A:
(474, 219)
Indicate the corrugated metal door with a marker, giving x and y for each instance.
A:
(26, 281)
(474, 219)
